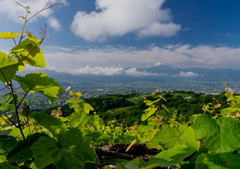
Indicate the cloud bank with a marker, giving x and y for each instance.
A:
(177, 56)
(119, 17)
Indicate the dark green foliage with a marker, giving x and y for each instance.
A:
(22, 152)
(7, 142)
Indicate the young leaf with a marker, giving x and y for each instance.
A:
(9, 35)
(30, 53)
(6, 60)
(75, 93)
(221, 135)
(39, 82)
(148, 112)
(79, 105)
(70, 150)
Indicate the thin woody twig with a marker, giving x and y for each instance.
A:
(45, 8)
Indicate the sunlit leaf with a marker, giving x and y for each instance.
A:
(75, 93)
(148, 112)
(169, 137)
(79, 105)
(9, 35)
(30, 53)
(171, 157)
(39, 82)
(6, 60)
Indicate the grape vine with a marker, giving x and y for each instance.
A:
(83, 140)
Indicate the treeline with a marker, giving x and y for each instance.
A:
(128, 108)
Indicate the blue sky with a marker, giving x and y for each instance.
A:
(107, 36)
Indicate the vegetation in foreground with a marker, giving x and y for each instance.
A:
(165, 138)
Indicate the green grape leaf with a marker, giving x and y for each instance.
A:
(97, 122)
(148, 112)
(169, 137)
(133, 164)
(221, 135)
(79, 105)
(40, 82)
(219, 161)
(54, 125)
(70, 150)
(6, 104)
(30, 52)
(171, 157)
(32, 38)
(8, 72)
(7, 166)
(79, 119)
(9, 35)
(75, 93)
(7, 142)
(22, 151)
(6, 60)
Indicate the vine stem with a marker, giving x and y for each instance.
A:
(10, 120)
(19, 104)
(45, 8)
(6, 120)
(25, 22)
(16, 110)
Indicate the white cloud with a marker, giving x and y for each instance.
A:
(179, 56)
(188, 74)
(134, 72)
(11, 10)
(107, 71)
(119, 17)
(160, 29)
(53, 22)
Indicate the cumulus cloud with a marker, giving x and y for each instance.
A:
(135, 72)
(160, 29)
(107, 71)
(187, 74)
(54, 23)
(11, 10)
(178, 56)
(119, 17)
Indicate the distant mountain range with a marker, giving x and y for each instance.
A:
(158, 73)
(147, 79)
